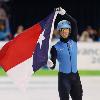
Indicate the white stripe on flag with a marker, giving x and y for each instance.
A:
(21, 74)
(51, 33)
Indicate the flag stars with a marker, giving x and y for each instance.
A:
(41, 38)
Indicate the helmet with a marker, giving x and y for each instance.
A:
(63, 24)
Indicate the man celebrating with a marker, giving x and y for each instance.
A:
(65, 51)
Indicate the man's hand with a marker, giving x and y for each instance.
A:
(60, 11)
(50, 64)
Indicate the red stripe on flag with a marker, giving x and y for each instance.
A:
(20, 48)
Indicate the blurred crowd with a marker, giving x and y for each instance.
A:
(4, 25)
(5, 29)
(88, 35)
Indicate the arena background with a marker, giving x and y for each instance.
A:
(28, 12)
(43, 84)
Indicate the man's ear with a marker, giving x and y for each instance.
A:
(58, 32)
(69, 30)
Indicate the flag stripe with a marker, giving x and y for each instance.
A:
(20, 48)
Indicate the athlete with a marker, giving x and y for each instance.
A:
(65, 51)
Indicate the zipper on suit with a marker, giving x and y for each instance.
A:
(68, 46)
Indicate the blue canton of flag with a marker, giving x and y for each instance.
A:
(40, 55)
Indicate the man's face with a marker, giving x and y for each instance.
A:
(64, 32)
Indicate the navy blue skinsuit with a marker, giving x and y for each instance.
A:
(65, 51)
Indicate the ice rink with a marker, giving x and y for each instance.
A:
(45, 88)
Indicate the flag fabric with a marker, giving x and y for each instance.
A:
(20, 48)
(16, 53)
(40, 55)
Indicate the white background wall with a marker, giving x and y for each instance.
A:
(88, 55)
